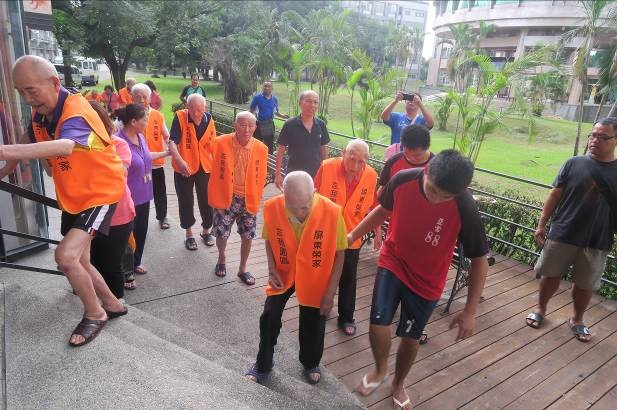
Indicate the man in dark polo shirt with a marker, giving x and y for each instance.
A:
(414, 260)
(306, 138)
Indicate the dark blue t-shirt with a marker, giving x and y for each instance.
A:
(583, 216)
(398, 121)
(266, 106)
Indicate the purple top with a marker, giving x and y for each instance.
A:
(139, 178)
(75, 129)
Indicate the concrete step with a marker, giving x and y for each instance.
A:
(127, 366)
(179, 362)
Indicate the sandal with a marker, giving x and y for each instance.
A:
(219, 270)
(313, 371)
(247, 278)
(130, 285)
(403, 404)
(207, 239)
(89, 329)
(581, 332)
(260, 377)
(140, 270)
(534, 320)
(349, 328)
(190, 244)
(369, 387)
(113, 315)
(423, 338)
(164, 223)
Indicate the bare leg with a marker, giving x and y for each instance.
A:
(548, 287)
(405, 357)
(221, 244)
(379, 337)
(581, 298)
(68, 257)
(189, 233)
(245, 250)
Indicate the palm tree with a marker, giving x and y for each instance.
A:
(588, 31)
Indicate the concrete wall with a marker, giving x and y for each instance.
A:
(570, 111)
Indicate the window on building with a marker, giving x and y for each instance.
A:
(419, 14)
(482, 3)
(407, 12)
(444, 79)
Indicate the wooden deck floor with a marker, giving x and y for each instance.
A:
(505, 364)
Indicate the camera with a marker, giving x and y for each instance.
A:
(408, 96)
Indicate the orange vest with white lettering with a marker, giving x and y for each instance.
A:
(306, 263)
(87, 177)
(154, 135)
(195, 152)
(125, 96)
(359, 203)
(220, 186)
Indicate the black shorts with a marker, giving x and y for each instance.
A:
(94, 221)
(415, 310)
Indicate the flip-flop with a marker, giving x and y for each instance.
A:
(89, 329)
(190, 244)
(369, 388)
(579, 331)
(308, 373)
(113, 315)
(220, 270)
(348, 325)
(260, 377)
(130, 285)
(401, 405)
(208, 239)
(141, 270)
(534, 317)
(247, 278)
(423, 338)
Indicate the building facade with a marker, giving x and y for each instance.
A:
(519, 26)
(409, 14)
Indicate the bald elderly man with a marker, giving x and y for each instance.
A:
(157, 138)
(88, 177)
(305, 243)
(191, 143)
(349, 182)
(125, 92)
(235, 188)
(304, 138)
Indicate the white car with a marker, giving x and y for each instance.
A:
(75, 73)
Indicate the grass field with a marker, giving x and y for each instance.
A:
(505, 150)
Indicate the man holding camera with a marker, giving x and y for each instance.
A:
(415, 113)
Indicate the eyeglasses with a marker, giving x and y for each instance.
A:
(602, 137)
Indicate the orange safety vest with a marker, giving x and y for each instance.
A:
(307, 264)
(357, 206)
(195, 152)
(87, 177)
(154, 135)
(220, 186)
(125, 96)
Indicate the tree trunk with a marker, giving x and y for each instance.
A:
(581, 106)
(613, 111)
(68, 73)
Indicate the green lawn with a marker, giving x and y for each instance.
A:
(505, 150)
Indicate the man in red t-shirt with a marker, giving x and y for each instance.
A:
(430, 210)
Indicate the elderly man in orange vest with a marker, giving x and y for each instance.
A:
(157, 138)
(238, 178)
(192, 138)
(125, 92)
(349, 182)
(305, 243)
(88, 176)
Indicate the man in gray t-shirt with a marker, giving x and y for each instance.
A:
(582, 229)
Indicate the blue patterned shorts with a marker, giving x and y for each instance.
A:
(225, 218)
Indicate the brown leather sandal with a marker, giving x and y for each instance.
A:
(89, 329)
